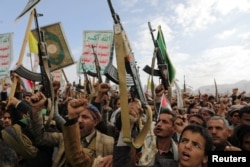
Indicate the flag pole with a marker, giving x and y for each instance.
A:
(158, 113)
(31, 64)
(21, 55)
(64, 75)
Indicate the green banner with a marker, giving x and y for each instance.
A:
(162, 47)
(59, 53)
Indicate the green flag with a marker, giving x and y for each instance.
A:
(162, 47)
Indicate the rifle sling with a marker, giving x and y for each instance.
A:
(120, 58)
(139, 140)
(122, 51)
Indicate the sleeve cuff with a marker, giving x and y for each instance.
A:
(70, 122)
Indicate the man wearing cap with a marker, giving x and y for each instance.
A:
(233, 115)
(244, 118)
(206, 113)
(246, 98)
(83, 118)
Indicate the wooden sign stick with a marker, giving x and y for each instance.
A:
(21, 56)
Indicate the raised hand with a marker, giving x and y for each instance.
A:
(75, 107)
(38, 100)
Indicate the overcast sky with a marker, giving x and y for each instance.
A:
(206, 39)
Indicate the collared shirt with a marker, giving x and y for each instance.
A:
(85, 141)
(166, 152)
(164, 158)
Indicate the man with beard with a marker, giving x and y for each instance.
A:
(244, 119)
(220, 131)
(83, 119)
(166, 152)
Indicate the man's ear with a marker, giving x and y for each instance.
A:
(97, 121)
(205, 159)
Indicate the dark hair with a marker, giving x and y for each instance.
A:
(166, 111)
(204, 124)
(114, 100)
(210, 97)
(244, 110)
(8, 156)
(27, 94)
(192, 105)
(203, 132)
(2, 106)
(244, 130)
(173, 104)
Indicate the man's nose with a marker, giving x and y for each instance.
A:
(213, 131)
(188, 145)
(158, 124)
(80, 119)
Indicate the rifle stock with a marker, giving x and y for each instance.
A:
(162, 66)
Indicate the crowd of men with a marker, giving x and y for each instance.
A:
(86, 129)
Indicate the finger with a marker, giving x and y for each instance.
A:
(108, 164)
(103, 163)
(77, 102)
(43, 96)
(228, 148)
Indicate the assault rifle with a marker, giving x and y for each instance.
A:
(126, 64)
(162, 71)
(44, 76)
(97, 67)
(130, 63)
(78, 87)
(87, 84)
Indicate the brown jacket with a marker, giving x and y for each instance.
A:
(49, 139)
(77, 156)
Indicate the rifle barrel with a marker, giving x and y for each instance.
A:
(114, 15)
(162, 66)
(97, 65)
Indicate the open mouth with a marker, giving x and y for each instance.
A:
(81, 127)
(185, 156)
(158, 129)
